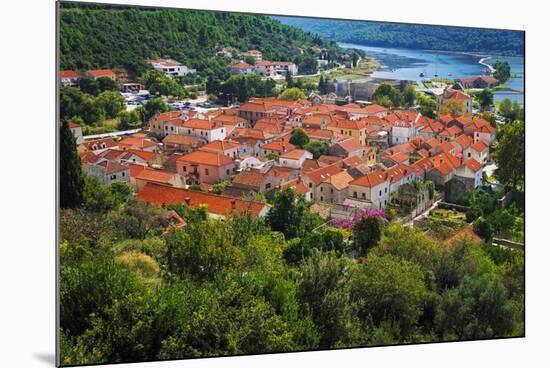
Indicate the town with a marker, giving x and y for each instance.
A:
(270, 188)
(343, 157)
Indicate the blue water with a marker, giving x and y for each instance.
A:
(408, 64)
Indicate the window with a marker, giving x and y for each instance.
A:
(227, 171)
(331, 190)
(184, 168)
(386, 190)
(206, 172)
(268, 186)
(188, 131)
(113, 177)
(310, 185)
(123, 173)
(321, 189)
(380, 193)
(354, 194)
(363, 195)
(321, 197)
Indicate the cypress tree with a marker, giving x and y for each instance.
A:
(71, 179)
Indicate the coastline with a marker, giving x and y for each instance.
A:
(488, 66)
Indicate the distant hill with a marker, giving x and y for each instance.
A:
(413, 36)
(103, 36)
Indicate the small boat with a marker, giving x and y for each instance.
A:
(436, 75)
(421, 75)
(450, 74)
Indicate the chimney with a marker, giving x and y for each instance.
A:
(233, 205)
(187, 201)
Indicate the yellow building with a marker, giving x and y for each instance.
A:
(352, 128)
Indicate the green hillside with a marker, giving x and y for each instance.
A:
(93, 36)
(414, 36)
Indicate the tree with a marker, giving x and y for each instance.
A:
(452, 107)
(478, 308)
(386, 92)
(106, 84)
(71, 181)
(97, 197)
(287, 213)
(411, 245)
(242, 89)
(502, 71)
(299, 138)
(316, 148)
(250, 60)
(111, 102)
(323, 288)
(137, 219)
(129, 119)
(511, 110)
(509, 154)
(490, 117)
(292, 94)
(323, 85)
(485, 99)
(289, 81)
(387, 289)
(483, 228)
(89, 85)
(409, 95)
(153, 107)
(366, 233)
(161, 84)
(427, 105)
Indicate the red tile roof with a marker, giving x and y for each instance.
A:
(350, 145)
(108, 142)
(135, 169)
(479, 146)
(137, 142)
(206, 158)
(146, 155)
(352, 161)
(317, 176)
(157, 176)
(250, 178)
(456, 95)
(295, 154)
(370, 179)
(487, 78)
(101, 73)
(202, 124)
(473, 164)
(339, 180)
(169, 115)
(220, 146)
(112, 166)
(68, 74)
(159, 194)
(241, 66)
(279, 145)
(297, 185)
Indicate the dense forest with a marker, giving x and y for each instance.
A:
(94, 36)
(414, 36)
(133, 291)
